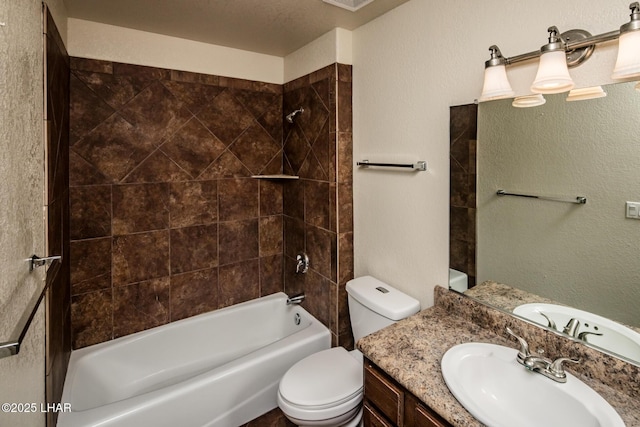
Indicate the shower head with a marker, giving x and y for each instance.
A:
(290, 116)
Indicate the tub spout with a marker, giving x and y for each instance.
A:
(296, 299)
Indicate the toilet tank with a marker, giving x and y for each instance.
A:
(374, 305)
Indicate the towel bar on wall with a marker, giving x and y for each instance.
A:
(580, 200)
(417, 166)
(10, 346)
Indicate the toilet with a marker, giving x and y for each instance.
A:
(326, 388)
(458, 281)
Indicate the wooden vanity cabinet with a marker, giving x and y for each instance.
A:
(388, 404)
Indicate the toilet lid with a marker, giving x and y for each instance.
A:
(325, 378)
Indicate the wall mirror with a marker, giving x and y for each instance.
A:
(586, 256)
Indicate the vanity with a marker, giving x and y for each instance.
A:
(404, 385)
(389, 404)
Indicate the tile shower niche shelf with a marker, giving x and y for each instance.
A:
(276, 176)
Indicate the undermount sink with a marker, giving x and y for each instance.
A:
(615, 337)
(488, 381)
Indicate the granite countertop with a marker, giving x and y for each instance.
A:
(508, 298)
(410, 351)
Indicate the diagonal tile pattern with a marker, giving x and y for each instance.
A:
(318, 211)
(160, 162)
(160, 181)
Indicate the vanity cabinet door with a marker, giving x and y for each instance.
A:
(425, 417)
(388, 404)
(382, 393)
(372, 418)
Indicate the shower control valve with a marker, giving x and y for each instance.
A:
(302, 263)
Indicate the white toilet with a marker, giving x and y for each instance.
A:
(326, 388)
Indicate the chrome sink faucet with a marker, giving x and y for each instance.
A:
(572, 329)
(551, 369)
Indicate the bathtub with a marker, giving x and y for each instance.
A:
(216, 369)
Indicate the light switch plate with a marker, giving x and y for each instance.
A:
(632, 210)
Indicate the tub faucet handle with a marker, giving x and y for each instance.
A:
(302, 263)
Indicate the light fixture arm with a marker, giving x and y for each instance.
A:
(565, 50)
(572, 45)
(569, 45)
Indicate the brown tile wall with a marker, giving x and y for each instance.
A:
(462, 213)
(166, 222)
(58, 297)
(318, 208)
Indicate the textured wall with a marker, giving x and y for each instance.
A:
(410, 65)
(100, 41)
(334, 46)
(21, 199)
(582, 255)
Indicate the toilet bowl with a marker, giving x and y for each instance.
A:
(326, 388)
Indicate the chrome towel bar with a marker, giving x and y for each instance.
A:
(10, 346)
(580, 200)
(417, 166)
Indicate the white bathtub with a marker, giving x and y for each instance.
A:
(216, 369)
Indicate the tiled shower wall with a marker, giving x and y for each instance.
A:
(318, 208)
(462, 211)
(166, 221)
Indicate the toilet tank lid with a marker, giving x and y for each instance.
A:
(382, 298)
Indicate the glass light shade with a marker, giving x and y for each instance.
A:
(586, 93)
(628, 62)
(496, 84)
(528, 101)
(553, 74)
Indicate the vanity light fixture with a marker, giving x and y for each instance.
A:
(553, 72)
(528, 101)
(496, 84)
(586, 93)
(563, 51)
(628, 61)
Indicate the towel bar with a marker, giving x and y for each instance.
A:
(580, 200)
(417, 166)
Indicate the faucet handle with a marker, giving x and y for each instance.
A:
(583, 335)
(524, 346)
(557, 369)
(550, 323)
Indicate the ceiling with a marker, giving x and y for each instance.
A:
(273, 27)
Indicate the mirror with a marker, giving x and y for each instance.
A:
(582, 255)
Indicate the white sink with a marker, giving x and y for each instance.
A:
(488, 381)
(615, 337)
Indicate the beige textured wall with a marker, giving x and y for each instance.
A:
(93, 40)
(582, 255)
(21, 198)
(409, 66)
(334, 46)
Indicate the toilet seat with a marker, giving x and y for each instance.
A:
(325, 385)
